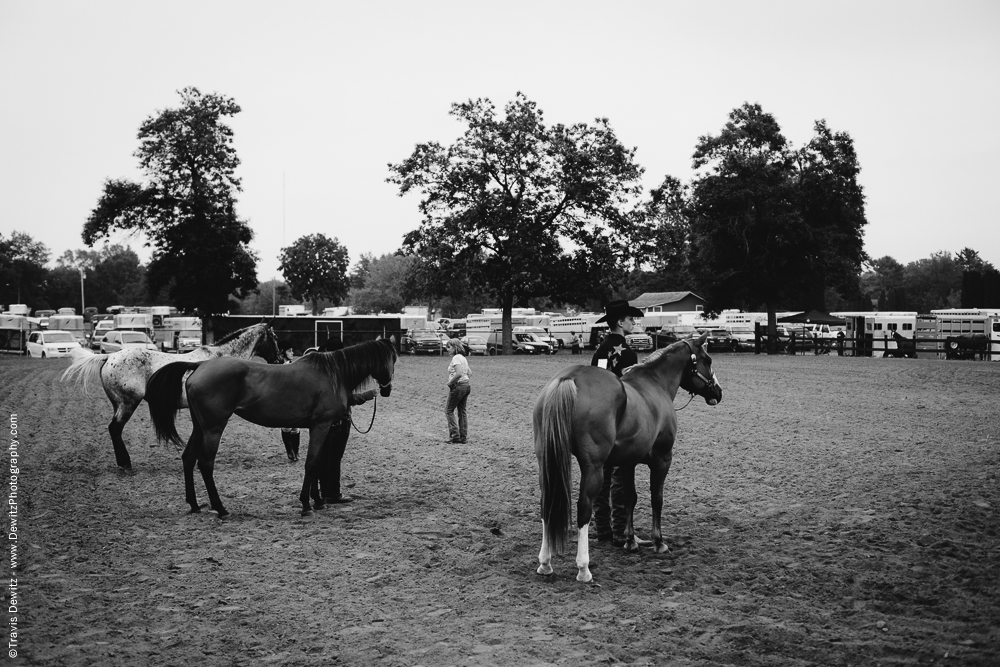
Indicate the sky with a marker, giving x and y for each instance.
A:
(332, 92)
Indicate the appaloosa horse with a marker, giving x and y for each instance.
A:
(124, 374)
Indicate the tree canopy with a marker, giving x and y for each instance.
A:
(186, 207)
(521, 208)
(22, 269)
(315, 267)
(773, 225)
(384, 285)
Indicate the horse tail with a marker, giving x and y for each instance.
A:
(553, 428)
(86, 369)
(163, 393)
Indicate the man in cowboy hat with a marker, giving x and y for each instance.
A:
(615, 355)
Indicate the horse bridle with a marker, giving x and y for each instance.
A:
(714, 382)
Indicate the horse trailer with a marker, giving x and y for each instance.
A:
(870, 334)
(965, 333)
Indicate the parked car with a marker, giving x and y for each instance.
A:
(542, 335)
(424, 341)
(721, 339)
(743, 334)
(474, 344)
(639, 341)
(673, 333)
(116, 341)
(186, 340)
(54, 343)
(523, 343)
(783, 338)
(101, 328)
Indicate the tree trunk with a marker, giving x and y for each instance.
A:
(507, 322)
(772, 329)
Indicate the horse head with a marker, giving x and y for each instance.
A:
(698, 377)
(385, 382)
(267, 345)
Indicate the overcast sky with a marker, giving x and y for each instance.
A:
(331, 92)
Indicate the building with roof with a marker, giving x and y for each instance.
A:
(668, 302)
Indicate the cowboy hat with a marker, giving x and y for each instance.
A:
(617, 310)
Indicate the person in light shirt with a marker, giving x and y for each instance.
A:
(458, 393)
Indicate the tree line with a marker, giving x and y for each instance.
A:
(515, 212)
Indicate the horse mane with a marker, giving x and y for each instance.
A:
(654, 356)
(351, 364)
(235, 334)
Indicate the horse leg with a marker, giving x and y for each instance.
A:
(310, 480)
(190, 457)
(544, 555)
(591, 478)
(628, 497)
(123, 411)
(658, 469)
(206, 464)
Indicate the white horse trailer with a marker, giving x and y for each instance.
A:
(563, 328)
(872, 332)
(963, 321)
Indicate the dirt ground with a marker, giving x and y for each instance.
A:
(830, 511)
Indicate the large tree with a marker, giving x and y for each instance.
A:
(773, 226)
(22, 270)
(521, 208)
(665, 238)
(269, 295)
(186, 207)
(315, 267)
(384, 285)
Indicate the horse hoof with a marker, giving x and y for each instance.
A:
(661, 548)
(631, 546)
(544, 569)
(584, 575)
(306, 512)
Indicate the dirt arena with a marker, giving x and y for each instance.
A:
(830, 511)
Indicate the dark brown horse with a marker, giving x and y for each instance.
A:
(312, 393)
(587, 412)
(905, 347)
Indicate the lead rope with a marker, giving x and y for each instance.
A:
(374, 410)
(690, 398)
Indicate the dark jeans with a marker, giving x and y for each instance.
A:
(458, 429)
(610, 515)
(329, 462)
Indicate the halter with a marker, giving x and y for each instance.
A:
(696, 373)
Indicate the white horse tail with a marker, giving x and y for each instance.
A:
(86, 369)
(553, 429)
